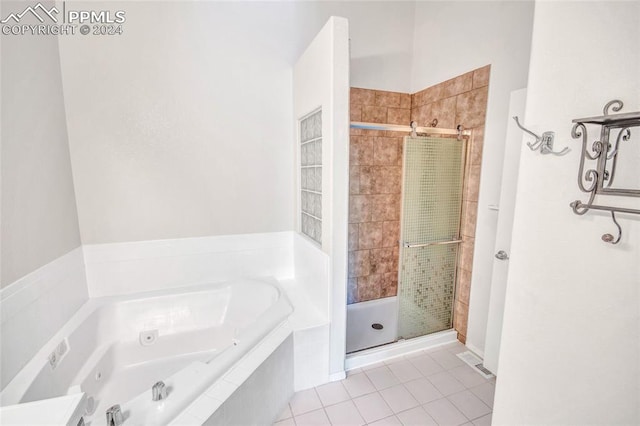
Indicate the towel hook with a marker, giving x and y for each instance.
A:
(608, 238)
(544, 143)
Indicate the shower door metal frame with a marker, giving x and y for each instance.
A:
(404, 244)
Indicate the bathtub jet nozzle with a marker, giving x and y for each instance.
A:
(114, 416)
(159, 391)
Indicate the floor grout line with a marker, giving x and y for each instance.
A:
(399, 412)
(395, 415)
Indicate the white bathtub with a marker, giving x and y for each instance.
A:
(118, 347)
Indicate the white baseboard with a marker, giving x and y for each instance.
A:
(476, 350)
(337, 376)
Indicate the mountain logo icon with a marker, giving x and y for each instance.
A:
(39, 11)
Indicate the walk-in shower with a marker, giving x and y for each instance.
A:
(413, 208)
(427, 245)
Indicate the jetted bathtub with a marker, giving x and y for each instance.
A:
(115, 348)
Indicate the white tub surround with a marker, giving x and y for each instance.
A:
(110, 330)
(309, 293)
(297, 263)
(117, 347)
(126, 268)
(310, 334)
(36, 306)
(311, 278)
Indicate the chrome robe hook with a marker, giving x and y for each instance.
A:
(544, 143)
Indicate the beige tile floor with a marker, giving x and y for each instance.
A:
(431, 387)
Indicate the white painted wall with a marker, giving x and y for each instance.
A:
(38, 220)
(508, 190)
(181, 127)
(380, 34)
(570, 351)
(450, 39)
(321, 80)
(42, 278)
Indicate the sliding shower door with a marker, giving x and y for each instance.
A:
(430, 233)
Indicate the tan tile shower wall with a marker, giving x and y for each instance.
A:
(376, 180)
(375, 187)
(461, 100)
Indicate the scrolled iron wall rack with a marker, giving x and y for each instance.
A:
(599, 180)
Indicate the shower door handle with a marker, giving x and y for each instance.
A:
(433, 243)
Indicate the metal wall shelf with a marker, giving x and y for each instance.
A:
(598, 181)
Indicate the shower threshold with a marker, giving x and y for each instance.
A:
(399, 348)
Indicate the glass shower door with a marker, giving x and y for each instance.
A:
(430, 233)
